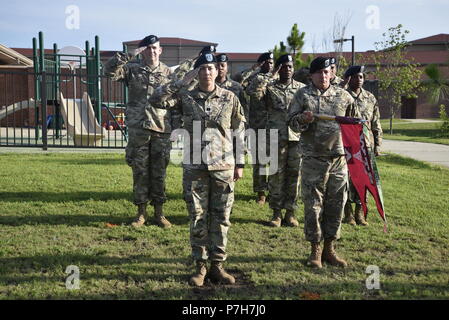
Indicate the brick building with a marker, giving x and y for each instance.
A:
(425, 51)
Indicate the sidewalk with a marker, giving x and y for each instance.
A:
(428, 152)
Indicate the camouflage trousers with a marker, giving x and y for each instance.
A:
(260, 176)
(324, 193)
(353, 196)
(283, 186)
(209, 196)
(148, 154)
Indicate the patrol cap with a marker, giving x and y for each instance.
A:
(319, 63)
(212, 49)
(207, 57)
(283, 59)
(354, 70)
(333, 60)
(145, 42)
(265, 56)
(222, 57)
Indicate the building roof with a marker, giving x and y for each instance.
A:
(438, 38)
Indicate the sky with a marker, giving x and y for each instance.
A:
(236, 25)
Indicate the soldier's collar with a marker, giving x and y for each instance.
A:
(318, 92)
(197, 93)
(152, 69)
(361, 94)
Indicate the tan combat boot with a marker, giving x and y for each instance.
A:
(276, 220)
(359, 215)
(141, 215)
(197, 279)
(349, 214)
(159, 218)
(219, 275)
(330, 256)
(314, 260)
(261, 198)
(290, 219)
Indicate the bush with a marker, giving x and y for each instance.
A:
(444, 128)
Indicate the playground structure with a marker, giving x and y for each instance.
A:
(68, 97)
(80, 121)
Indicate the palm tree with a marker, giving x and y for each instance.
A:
(438, 90)
(437, 86)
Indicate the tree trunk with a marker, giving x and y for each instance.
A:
(391, 122)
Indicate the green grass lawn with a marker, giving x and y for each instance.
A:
(408, 131)
(55, 210)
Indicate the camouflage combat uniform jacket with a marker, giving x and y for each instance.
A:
(321, 137)
(257, 111)
(366, 107)
(277, 97)
(218, 111)
(141, 81)
(237, 89)
(336, 81)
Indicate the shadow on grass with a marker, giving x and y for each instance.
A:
(84, 220)
(36, 196)
(64, 219)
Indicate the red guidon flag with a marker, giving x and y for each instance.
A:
(361, 161)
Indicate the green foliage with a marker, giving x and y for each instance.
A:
(437, 87)
(444, 128)
(295, 42)
(277, 52)
(397, 75)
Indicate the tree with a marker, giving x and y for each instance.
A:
(437, 87)
(295, 43)
(438, 90)
(398, 76)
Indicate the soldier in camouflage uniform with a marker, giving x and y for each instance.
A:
(209, 114)
(283, 186)
(225, 82)
(365, 107)
(324, 172)
(336, 80)
(257, 115)
(149, 145)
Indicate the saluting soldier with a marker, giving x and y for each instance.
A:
(258, 120)
(365, 107)
(149, 145)
(225, 82)
(213, 118)
(283, 185)
(324, 172)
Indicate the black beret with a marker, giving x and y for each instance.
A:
(333, 60)
(283, 59)
(354, 70)
(265, 56)
(207, 57)
(208, 49)
(145, 42)
(222, 57)
(319, 63)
